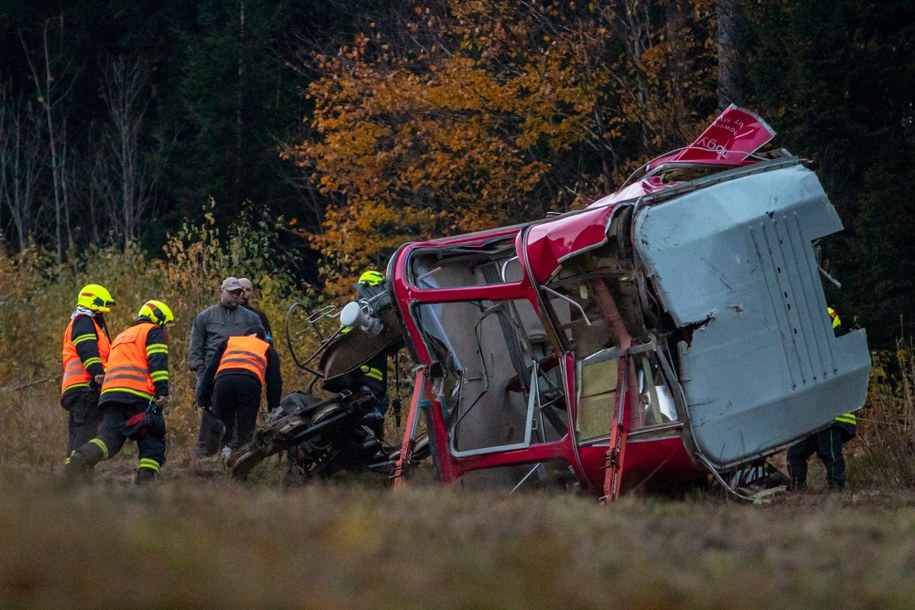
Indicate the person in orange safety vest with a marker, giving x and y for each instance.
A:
(86, 345)
(232, 382)
(134, 397)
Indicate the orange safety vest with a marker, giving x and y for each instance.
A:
(246, 353)
(75, 374)
(128, 367)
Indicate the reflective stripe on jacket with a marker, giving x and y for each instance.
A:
(847, 418)
(245, 353)
(128, 365)
(75, 373)
(836, 320)
(372, 372)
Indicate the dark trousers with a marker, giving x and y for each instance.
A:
(84, 415)
(827, 444)
(110, 438)
(236, 401)
(204, 431)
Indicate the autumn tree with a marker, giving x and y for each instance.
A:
(463, 115)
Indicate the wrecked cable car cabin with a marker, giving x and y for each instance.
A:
(675, 327)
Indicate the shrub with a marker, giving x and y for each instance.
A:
(38, 296)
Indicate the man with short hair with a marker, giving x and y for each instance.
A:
(211, 328)
(247, 296)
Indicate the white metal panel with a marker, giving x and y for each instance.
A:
(733, 263)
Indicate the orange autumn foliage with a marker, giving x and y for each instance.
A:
(463, 115)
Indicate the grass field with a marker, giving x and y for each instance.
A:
(203, 540)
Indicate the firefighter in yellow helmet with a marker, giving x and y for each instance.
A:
(826, 443)
(86, 344)
(134, 396)
(375, 371)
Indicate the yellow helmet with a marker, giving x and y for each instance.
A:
(371, 278)
(836, 320)
(156, 312)
(95, 298)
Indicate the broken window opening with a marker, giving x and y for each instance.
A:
(465, 266)
(507, 391)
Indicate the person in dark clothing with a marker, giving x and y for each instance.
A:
(86, 345)
(247, 294)
(232, 383)
(134, 397)
(211, 328)
(827, 443)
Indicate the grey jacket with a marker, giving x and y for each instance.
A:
(212, 327)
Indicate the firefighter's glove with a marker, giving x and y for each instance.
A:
(98, 379)
(163, 404)
(155, 424)
(134, 427)
(145, 422)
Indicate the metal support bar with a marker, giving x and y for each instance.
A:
(409, 435)
(616, 451)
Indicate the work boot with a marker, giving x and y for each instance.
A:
(212, 430)
(82, 461)
(144, 476)
(77, 469)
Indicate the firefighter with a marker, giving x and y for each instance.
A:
(375, 371)
(134, 397)
(86, 345)
(827, 443)
(232, 384)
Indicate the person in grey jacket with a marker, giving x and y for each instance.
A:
(211, 328)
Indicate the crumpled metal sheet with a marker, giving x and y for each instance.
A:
(733, 263)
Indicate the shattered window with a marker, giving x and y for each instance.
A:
(595, 306)
(656, 402)
(593, 329)
(495, 262)
(502, 376)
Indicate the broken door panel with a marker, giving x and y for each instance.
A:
(734, 266)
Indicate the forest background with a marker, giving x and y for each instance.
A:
(156, 147)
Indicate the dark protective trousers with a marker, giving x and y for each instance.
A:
(827, 444)
(236, 401)
(84, 418)
(149, 448)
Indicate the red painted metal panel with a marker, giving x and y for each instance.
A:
(548, 244)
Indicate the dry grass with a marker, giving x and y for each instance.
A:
(221, 544)
(195, 540)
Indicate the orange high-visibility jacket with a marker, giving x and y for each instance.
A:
(75, 373)
(246, 353)
(128, 367)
